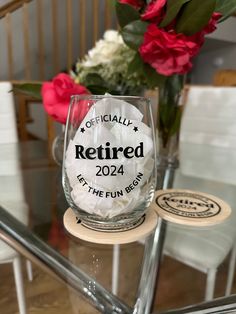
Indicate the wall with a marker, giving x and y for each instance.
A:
(219, 52)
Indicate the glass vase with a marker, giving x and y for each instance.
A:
(169, 114)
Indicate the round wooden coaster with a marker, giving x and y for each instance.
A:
(86, 234)
(190, 208)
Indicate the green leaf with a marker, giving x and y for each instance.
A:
(93, 79)
(173, 85)
(133, 34)
(226, 8)
(195, 16)
(29, 89)
(177, 121)
(95, 83)
(97, 90)
(153, 78)
(173, 8)
(126, 14)
(136, 65)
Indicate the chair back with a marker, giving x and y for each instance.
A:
(12, 196)
(10, 170)
(208, 134)
(8, 130)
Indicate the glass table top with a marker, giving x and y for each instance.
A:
(31, 191)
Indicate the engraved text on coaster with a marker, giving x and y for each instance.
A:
(191, 208)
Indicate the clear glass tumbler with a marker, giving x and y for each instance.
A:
(109, 164)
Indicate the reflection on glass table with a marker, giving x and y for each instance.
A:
(179, 284)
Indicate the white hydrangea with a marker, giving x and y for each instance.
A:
(105, 49)
(110, 59)
(113, 36)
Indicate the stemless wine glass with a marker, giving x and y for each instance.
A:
(109, 160)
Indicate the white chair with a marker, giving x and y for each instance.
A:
(11, 191)
(207, 164)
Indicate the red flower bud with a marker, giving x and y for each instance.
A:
(56, 96)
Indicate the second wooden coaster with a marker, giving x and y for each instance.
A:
(190, 208)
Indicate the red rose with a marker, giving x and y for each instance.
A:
(155, 11)
(56, 96)
(137, 4)
(167, 52)
(211, 26)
